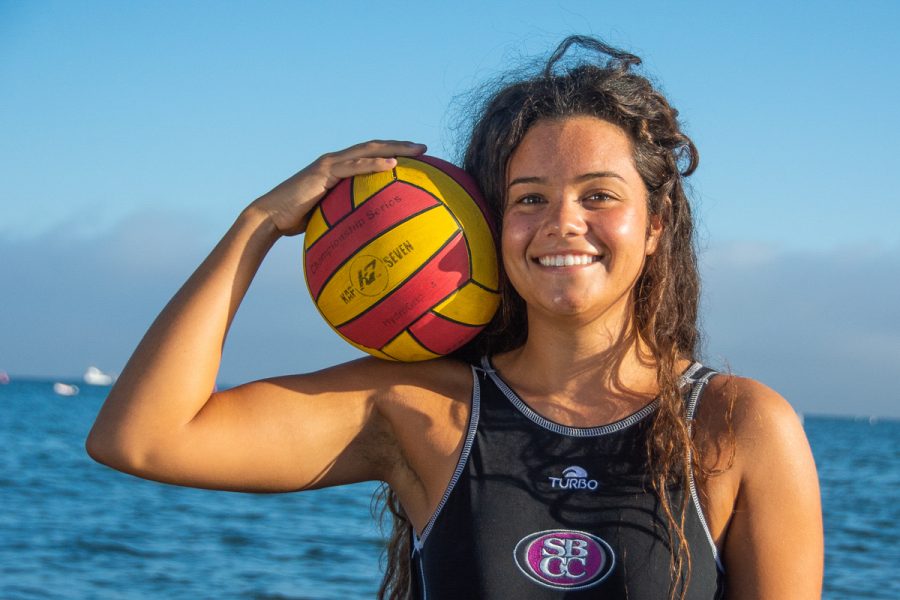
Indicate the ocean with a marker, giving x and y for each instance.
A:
(70, 528)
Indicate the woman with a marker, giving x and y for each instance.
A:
(586, 454)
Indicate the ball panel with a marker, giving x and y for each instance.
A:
(386, 263)
(316, 227)
(467, 212)
(389, 207)
(373, 351)
(484, 263)
(437, 278)
(440, 335)
(470, 305)
(366, 186)
(405, 347)
(338, 202)
(463, 179)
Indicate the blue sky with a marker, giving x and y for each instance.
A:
(132, 134)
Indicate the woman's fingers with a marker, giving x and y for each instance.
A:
(289, 203)
(369, 157)
(380, 149)
(360, 166)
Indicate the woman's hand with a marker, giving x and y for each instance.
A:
(288, 205)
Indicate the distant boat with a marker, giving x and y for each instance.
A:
(4, 378)
(65, 389)
(94, 376)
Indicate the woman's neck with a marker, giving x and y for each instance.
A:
(566, 360)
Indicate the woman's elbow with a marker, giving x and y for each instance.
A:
(110, 449)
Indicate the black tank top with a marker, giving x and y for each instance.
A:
(539, 510)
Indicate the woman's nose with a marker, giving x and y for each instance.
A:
(565, 218)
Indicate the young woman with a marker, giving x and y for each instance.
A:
(586, 454)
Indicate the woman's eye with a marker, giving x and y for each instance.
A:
(530, 199)
(599, 197)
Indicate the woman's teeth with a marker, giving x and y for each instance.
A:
(566, 260)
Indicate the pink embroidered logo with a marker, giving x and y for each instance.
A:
(564, 559)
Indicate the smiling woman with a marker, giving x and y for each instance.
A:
(579, 450)
(576, 225)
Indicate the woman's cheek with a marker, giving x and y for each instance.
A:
(625, 225)
(515, 235)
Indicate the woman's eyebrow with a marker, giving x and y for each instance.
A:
(579, 179)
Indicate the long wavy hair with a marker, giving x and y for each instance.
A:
(602, 84)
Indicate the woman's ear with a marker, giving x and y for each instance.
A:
(654, 232)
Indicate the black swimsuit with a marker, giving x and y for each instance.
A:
(539, 510)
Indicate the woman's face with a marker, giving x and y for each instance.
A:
(576, 229)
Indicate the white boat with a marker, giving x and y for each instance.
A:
(65, 389)
(4, 378)
(94, 376)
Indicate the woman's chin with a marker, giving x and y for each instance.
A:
(577, 307)
(566, 306)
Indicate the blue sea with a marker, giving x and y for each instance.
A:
(70, 528)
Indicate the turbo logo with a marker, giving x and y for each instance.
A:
(574, 478)
(564, 559)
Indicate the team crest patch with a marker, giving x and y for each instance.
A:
(564, 559)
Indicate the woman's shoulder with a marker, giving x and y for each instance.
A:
(749, 403)
(384, 379)
(758, 420)
(445, 377)
(764, 496)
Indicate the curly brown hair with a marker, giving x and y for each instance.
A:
(666, 295)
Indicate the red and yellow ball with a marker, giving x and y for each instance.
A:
(403, 264)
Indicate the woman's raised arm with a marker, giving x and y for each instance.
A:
(163, 421)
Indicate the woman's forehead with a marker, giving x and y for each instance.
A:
(572, 147)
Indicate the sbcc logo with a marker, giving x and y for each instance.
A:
(564, 559)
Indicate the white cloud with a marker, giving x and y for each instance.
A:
(821, 328)
(70, 301)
